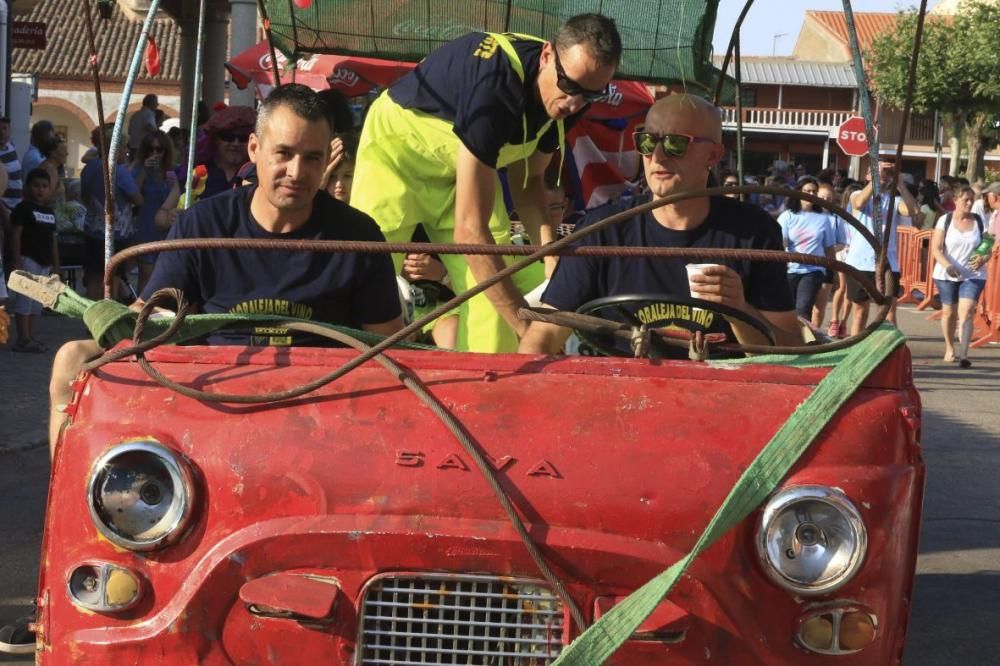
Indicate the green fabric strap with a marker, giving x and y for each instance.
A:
(606, 635)
(110, 322)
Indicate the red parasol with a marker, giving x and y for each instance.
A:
(349, 75)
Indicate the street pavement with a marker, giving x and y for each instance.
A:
(956, 613)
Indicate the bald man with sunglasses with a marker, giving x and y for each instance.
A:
(433, 142)
(680, 143)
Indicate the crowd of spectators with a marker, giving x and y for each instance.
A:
(152, 165)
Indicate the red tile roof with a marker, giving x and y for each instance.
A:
(67, 54)
(869, 25)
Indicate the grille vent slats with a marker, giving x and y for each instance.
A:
(468, 620)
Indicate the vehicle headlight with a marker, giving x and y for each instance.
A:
(811, 539)
(140, 495)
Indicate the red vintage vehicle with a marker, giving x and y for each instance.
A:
(484, 509)
(351, 527)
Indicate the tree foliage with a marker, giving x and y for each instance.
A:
(959, 61)
(958, 72)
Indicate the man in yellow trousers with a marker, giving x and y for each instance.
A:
(433, 142)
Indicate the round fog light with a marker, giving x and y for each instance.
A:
(811, 539)
(140, 495)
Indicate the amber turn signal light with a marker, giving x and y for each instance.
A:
(857, 631)
(835, 630)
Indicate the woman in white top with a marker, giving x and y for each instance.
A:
(958, 274)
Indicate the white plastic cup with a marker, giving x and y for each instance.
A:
(696, 269)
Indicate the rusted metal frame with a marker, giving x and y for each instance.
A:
(102, 141)
(739, 110)
(911, 84)
(560, 244)
(563, 249)
(729, 52)
(266, 22)
(864, 95)
(111, 158)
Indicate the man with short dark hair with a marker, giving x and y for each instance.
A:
(289, 147)
(142, 122)
(432, 144)
(680, 143)
(41, 132)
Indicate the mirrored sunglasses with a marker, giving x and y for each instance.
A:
(675, 145)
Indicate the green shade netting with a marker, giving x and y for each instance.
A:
(664, 41)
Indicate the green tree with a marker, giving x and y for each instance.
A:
(958, 74)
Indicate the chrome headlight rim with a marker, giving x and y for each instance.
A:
(834, 497)
(181, 477)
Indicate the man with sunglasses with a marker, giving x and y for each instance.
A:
(432, 144)
(680, 143)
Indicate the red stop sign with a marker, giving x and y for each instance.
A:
(852, 136)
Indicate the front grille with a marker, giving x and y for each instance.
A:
(442, 619)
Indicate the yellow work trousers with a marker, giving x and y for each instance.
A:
(405, 176)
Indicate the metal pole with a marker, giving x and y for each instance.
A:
(133, 73)
(189, 176)
(102, 140)
(729, 52)
(739, 113)
(938, 146)
(266, 22)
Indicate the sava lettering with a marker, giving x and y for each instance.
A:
(454, 461)
(675, 314)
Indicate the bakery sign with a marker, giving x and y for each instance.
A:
(27, 35)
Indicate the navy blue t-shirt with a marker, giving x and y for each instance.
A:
(730, 224)
(471, 83)
(342, 288)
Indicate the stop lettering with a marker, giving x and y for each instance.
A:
(852, 136)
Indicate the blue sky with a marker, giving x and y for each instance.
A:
(768, 18)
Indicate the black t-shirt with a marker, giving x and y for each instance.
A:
(38, 225)
(342, 288)
(471, 83)
(730, 224)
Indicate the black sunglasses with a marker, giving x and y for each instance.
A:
(156, 149)
(571, 87)
(227, 137)
(675, 145)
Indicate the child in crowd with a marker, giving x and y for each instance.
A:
(36, 250)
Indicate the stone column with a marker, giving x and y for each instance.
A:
(213, 58)
(189, 43)
(243, 35)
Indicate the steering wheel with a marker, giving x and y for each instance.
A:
(657, 310)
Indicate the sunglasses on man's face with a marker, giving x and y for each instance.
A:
(234, 138)
(675, 145)
(571, 87)
(730, 183)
